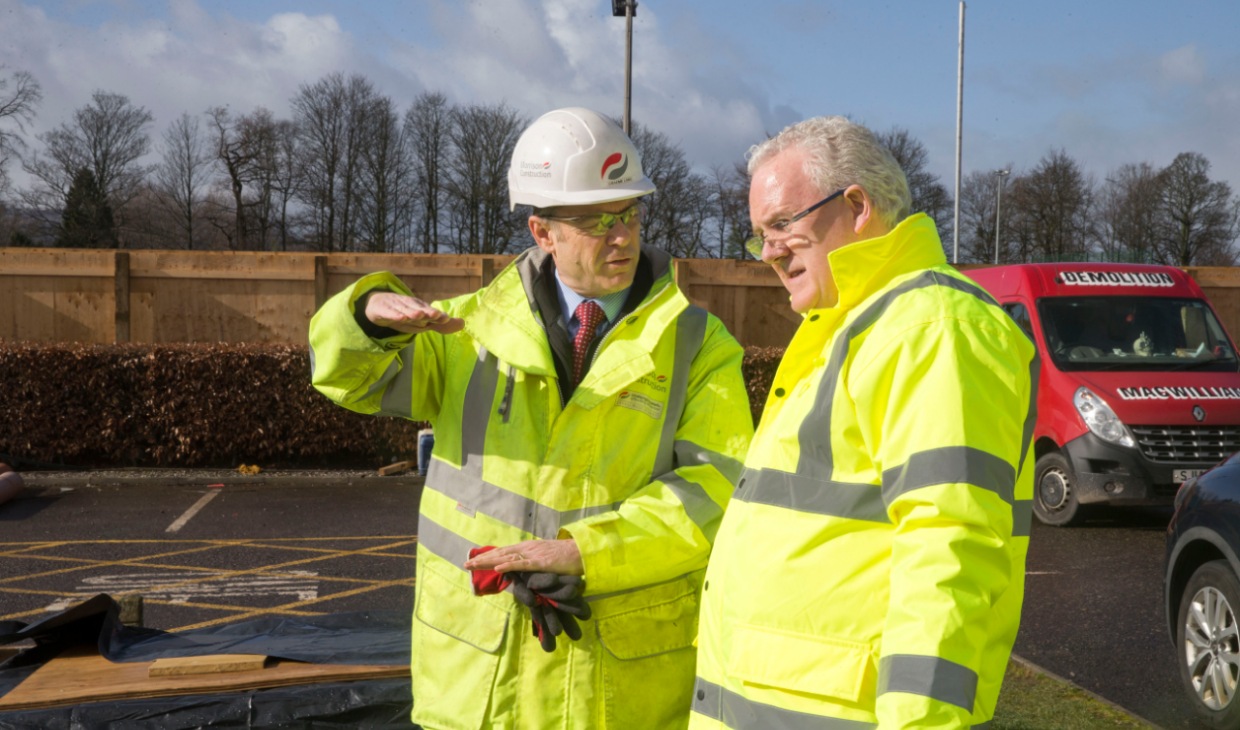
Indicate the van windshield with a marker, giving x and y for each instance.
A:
(1134, 333)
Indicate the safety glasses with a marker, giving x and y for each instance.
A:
(599, 224)
(754, 244)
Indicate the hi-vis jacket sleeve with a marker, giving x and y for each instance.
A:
(353, 369)
(930, 390)
(665, 529)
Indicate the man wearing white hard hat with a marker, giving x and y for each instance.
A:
(589, 427)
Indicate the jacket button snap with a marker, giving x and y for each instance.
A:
(779, 392)
(706, 587)
(630, 320)
(701, 695)
(813, 318)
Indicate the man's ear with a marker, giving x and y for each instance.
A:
(860, 206)
(541, 231)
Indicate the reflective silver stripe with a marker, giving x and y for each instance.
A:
(474, 494)
(690, 333)
(396, 384)
(950, 465)
(810, 494)
(1022, 516)
(443, 542)
(690, 454)
(928, 676)
(739, 713)
(704, 511)
(476, 412)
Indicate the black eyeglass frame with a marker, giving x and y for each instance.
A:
(754, 244)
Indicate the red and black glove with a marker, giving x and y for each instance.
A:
(555, 604)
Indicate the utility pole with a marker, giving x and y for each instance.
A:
(999, 175)
(959, 135)
(627, 9)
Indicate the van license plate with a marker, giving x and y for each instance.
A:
(1179, 476)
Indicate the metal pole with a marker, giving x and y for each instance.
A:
(998, 202)
(959, 122)
(629, 7)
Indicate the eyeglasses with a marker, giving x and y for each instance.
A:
(599, 224)
(754, 244)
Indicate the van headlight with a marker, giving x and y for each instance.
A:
(1101, 420)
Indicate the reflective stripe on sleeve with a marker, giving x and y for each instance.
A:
(810, 494)
(396, 384)
(950, 465)
(739, 713)
(928, 676)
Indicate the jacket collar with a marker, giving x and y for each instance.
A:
(865, 267)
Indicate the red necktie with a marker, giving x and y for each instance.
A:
(589, 316)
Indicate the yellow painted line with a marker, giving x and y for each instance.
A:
(287, 606)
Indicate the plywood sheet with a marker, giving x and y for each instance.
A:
(81, 675)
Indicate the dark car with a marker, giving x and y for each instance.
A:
(1202, 591)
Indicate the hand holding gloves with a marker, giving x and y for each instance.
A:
(555, 601)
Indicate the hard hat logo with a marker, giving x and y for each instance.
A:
(615, 158)
(575, 156)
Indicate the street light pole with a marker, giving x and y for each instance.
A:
(627, 9)
(999, 175)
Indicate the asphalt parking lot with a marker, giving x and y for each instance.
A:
(205, 549)
(201, 554)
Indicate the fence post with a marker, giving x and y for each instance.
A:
(320, 281)
(121, 296)
(488, 270)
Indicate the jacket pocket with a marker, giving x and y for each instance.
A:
(448, 606)
(648, 661)
(456, 642)
(818, 665)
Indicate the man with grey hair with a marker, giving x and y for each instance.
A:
(869, 570)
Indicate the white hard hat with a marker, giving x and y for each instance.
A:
(574, 156)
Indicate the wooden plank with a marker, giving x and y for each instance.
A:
(81, 675)
(180, 666)
(121, 298)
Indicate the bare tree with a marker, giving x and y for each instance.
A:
(1129, 214)
(730, 197)
(181, 177)
(107, 137)
(929, 195)
(1051, 209)
(977, 223)
(16, 107)
(384, 195)
(236, 155)
(481, 140)
(1201, 218)
(287, 178)
(677, 213)
(426, 129)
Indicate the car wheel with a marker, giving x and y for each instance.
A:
(1054, 492)
(1208, 643)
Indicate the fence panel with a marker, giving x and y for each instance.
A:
(96, 296)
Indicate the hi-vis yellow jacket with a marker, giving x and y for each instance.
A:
(637, 467)
(870, 568)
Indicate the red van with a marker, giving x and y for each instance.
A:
(1140, 385)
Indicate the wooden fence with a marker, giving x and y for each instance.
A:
(93, 296)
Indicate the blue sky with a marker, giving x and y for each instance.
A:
(1109, 82)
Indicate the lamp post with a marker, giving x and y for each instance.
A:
(999, 175)
(627, 9)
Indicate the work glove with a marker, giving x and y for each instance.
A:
(555, 604)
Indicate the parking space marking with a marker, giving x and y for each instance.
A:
(195, 586)
(189, 513)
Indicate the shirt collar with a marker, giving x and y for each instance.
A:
(569, 299)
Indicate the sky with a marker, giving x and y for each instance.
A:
(1109, 82)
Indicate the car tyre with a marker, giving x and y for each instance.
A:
(1208, 643)
(1054, 491)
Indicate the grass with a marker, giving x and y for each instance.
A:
(1034, 700)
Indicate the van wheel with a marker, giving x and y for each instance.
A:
(1054, 493)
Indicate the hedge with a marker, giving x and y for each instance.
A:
(201, 405)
